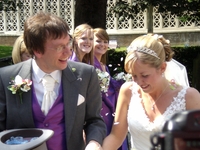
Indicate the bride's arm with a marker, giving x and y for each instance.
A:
(120, 126)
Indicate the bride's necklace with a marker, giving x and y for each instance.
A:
(153, 104)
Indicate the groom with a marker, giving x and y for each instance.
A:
(76, 106)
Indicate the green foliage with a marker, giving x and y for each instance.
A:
(193, 0)
(116, 61)
(123, 9)
(5, 51)
(187, 56)
(5, 55)
(10, 5)
(184, 9)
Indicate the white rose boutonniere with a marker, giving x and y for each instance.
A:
(19, 85)
(104, 80)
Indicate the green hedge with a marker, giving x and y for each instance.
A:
(188, 56)
(5, 55)
(5, 51)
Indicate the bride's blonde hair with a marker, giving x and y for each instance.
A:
(150, 49)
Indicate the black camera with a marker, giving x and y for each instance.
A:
(181, 132)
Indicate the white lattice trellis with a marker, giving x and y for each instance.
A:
(12, 22)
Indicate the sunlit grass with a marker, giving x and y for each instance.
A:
(5, 51)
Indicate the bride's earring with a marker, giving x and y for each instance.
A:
(163, 75)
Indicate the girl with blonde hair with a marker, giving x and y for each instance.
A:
(20, 52)
(82, 45)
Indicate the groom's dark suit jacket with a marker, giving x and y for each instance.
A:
(77, 78)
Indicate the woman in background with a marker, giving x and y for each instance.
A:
(109, 98)
(19, 52)
(82, 46)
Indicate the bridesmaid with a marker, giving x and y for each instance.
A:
(109, 98)
(82, 46)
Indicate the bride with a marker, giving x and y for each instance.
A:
(145, 104)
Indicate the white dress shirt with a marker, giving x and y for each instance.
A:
(37, 76)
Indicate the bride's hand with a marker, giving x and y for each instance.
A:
(93, 145)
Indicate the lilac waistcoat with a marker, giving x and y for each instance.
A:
(54, 120)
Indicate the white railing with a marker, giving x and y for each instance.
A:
(11, 23)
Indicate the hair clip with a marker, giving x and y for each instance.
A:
(156, 36)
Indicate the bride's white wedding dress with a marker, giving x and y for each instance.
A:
(140, 127)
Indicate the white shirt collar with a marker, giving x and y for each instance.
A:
(39, 74)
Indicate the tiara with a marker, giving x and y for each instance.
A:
(143, 50)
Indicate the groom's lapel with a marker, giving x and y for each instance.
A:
(71, 86)
(26, 70)
(26, 105)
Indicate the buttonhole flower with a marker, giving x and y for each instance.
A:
(73, 69)
(19, 86)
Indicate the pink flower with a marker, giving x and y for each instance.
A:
(19, 85)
